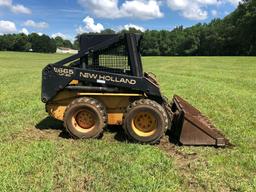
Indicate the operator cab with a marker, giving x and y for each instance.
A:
(110, 53)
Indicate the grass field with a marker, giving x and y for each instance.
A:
(37, 155)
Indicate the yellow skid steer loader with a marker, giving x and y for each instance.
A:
(104, 84)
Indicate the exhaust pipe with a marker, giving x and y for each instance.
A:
(190, 127)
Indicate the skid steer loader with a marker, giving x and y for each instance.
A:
(104, 84)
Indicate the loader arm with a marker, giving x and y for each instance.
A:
(58, 78)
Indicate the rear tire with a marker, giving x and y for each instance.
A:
(145, 121)
(85, 118)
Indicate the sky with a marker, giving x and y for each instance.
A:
(67, 18)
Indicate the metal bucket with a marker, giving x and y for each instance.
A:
(190, 127)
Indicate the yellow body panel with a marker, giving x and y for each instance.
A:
(56, 111)
(115, 118)
(74, 82)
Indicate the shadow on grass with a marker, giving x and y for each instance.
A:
(118, 131)
(50, 123)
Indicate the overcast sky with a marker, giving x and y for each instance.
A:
(68, 18)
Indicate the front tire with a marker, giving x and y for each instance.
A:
(145, 121)
(85, 118)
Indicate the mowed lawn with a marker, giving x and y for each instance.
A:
(36, 155)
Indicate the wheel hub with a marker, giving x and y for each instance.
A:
(144, 123)
(85, 119)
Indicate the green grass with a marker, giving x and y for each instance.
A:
(224, 88)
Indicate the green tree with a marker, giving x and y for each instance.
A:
(68, 44)
(21, 43)
(131, 30)
(8, 42)
(42, 44)
(108, 31)
(60, 42)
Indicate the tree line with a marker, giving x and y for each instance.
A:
(32, 42)
(232, 36)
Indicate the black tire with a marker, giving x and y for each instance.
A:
(85, 118)
(153, 128)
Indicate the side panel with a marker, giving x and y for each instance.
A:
(55, 79)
